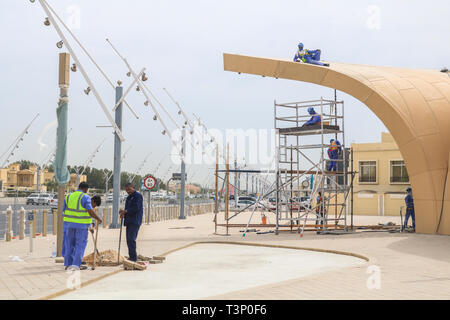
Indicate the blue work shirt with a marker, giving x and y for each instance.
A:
(134, 208)
(315, 119)
(85, 203)
(409, 201)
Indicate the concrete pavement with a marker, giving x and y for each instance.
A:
(400, 266)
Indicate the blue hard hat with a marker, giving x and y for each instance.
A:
(300, 46)
(331, 140)
(408, 189)
(311, 110)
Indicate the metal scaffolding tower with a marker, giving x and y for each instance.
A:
(302, 173)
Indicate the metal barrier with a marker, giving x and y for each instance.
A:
(13, 223)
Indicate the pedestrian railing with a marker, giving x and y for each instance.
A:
(19, 224)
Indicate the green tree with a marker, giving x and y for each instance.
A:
(25, 164)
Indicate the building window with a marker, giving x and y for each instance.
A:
(399, 174)
(367, 171)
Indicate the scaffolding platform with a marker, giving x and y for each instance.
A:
(310, 130)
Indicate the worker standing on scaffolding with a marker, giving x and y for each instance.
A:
(315, 118)
(410, 209)
(333, 154)
(309, 56)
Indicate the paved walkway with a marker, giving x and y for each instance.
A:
(412, 266)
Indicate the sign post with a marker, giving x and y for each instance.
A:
(150, 183)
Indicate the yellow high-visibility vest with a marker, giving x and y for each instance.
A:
(75, 212)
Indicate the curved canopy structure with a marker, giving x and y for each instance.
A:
(413, 104)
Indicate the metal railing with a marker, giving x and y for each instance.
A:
(18, 224)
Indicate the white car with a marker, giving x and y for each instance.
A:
(54, 202)
(109, 197)
(33, 198)
(45, 199)
(39, 198)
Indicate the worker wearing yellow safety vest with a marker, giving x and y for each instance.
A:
(78, 212)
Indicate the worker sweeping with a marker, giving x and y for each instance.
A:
(78, 212)
(132, 216)
(315, 118)
(333, 154)
(96, 201)
(309, 56)
(409, 209)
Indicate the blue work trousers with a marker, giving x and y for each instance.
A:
(410, 213)
(132, 233)
(75, 244)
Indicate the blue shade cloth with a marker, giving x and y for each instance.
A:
(62, 175)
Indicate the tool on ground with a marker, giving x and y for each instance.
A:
(95, 246)
(120, 240)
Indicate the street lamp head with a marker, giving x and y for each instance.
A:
(46, 22)
(60, 44)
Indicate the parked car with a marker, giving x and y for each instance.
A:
(33, 199)
(243, 203)
(109, 197)
(45, 199)
(54, 202)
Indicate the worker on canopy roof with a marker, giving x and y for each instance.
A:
(315, 118)
(309, 56)
(333, 154)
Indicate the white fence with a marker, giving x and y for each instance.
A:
(15, 225)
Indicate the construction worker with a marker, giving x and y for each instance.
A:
(333, 154)
(77, 216)
(319, 208)
(315, 118)
(309, 56)
(132, 216)
(409, 209)
(96, 201)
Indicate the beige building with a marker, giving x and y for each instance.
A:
(381, 180)
(189, 188)
(13, 177)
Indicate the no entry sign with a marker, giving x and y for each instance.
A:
(149, 182)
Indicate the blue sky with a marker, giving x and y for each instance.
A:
(181, 44)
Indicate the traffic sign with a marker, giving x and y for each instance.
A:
(177, 176)
(149, 182)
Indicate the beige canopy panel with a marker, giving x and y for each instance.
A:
(413, 104)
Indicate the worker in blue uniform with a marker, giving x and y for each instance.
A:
(132, 216)
(315, 117)
(96, 201)
(409, 209)
(77, 216)
(309, 56)
(320, 209)
(333, 154)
